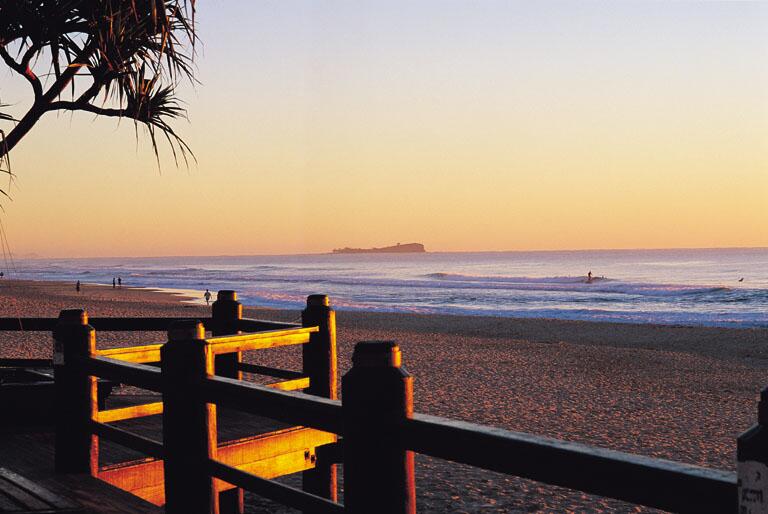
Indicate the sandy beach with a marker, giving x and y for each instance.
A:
(681, 393)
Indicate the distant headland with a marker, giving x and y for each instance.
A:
(398, 248)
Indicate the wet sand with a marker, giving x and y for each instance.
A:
(681, 393)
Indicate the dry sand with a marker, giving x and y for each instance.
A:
(680, 393)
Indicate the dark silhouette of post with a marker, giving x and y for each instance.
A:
(226, 312)
(752, 461)
(189, 423)
(77, 450)
(377, 397)
(319, 364)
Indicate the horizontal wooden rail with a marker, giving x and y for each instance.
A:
(128, 439)
(224, 344)
(296, 408)
(156, 324)
(296, 384)
(132, 412)
(260, 340)
(21, 385)
(105, 324)
(28, 324)
(26, 363)
(258, 325)
(270, 372)
(138, 324)
(138, 354)
(138, 375)
(42, 374)
(272, 490)
(637, 479)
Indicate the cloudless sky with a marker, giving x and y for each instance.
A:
(465, 125)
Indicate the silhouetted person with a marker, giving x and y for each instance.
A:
(589, 276)
(113, 283)
(119, 282)
(207, 297)
(77, 286)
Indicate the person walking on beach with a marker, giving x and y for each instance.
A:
(113, 283)
(207, 297)
(77, 286)
(119, 282)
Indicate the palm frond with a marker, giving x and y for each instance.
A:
(5, 116)
(116, 44)
(155, 105)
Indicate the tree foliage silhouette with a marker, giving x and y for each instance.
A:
(117, 58)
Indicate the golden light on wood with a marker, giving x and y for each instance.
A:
(267, 455)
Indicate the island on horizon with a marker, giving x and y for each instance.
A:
(398, 248)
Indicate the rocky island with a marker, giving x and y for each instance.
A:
(398, 248)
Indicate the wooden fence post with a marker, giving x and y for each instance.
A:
(226, 312)
(319, 364)
(752, 462)
(377, 396)
(77, 449)
(189, 423)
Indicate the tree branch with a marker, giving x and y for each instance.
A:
(69, 72)
(31, 51)
(23, 69)
(85, 106)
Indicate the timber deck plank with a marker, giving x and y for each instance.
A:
(30, 452)
(20, 495)
(232, 425)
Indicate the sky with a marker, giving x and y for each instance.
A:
(466, 126)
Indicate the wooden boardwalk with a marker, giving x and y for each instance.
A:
(126, 442)
(29, 451)
(217, 436)
(232, 426)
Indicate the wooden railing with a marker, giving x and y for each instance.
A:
(376, 420)
(80, 423)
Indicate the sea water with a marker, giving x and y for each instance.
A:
(716, 287)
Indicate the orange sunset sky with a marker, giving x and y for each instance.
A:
(463, 125)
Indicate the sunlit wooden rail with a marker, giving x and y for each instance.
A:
(80, 423)
(374, 433)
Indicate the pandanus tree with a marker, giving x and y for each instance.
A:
(117, 58)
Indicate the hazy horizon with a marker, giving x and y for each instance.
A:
(491, 125)
(33, 256)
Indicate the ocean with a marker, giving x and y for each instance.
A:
(714, 287)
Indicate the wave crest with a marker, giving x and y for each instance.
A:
(572, 284)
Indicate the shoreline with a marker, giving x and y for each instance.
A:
(680, 393)
(746, 343)
(195, 297)
(718, 289)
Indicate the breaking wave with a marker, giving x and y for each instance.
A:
(576, 284)
(691, 287)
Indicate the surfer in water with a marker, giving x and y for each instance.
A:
(589, 277)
